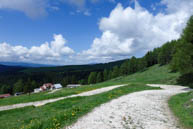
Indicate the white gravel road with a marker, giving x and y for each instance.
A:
(41, 103)
(139, 110)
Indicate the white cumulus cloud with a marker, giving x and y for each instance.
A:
(32, 8)
(51, 52)
(134, 31)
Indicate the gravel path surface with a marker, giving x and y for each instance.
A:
(139, 110)
(41, 103)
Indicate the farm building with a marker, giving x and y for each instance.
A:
(57, 86)
(4, 96)
(37, 90)
(73, 85)
(48, 86)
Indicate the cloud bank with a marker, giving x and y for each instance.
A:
(55, 51)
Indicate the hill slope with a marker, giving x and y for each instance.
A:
(156, 75)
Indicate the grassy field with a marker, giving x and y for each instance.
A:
(182, 107)
(61, 113)
(155, 74)
(45, 95)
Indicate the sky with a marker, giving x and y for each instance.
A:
(64, 32)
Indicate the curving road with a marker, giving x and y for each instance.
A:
(43, 102)
(140, 110)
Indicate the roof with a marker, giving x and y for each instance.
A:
(57, 86)
(48, 85)
(4, 95)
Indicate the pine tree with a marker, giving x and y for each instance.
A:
(133, 65)
(99, 77)
(105, 75)
(92, 78)
(124, 68)
(183, 58)
(116, 72)
(18, 86)
(166, 52)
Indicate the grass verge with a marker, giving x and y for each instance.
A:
(182, 107)
(62, 113)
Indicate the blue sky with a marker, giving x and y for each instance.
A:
(87, 31)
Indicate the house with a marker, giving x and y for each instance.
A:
(57, 86)
(4, 96)
(73, 85)
(37, 90)
(47, 86)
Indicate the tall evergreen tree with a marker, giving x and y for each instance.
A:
(183, 58)
(99, 77)
(92, 78)
(133, 66)
(116, 72)
(141, 64)
(110, 75)
(166, 52)
(5, 89)
(18, 86)
(28, 87)
(105, 75)
(124, 68)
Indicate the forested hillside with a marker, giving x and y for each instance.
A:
(25, 79)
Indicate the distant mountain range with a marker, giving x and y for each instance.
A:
(21, 64)
(4, 68)
(31, 68)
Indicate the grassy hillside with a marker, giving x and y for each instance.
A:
(155, 74)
